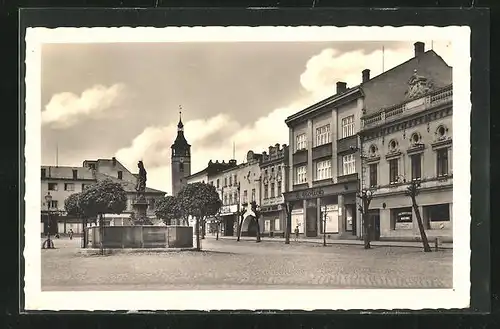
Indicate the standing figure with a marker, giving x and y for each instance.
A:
(140, 186)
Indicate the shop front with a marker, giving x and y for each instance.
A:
(273, 217)
(329, 209)
(229, 218)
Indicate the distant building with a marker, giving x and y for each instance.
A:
(181, 160)
(324, 154)
(274, 173)
(61, 182)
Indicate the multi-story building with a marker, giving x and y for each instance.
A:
(60, 182)
(324, 153)
(405, 142)
(226, 183)
(181, 160)
(274, 173)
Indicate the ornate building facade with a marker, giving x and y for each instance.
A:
(411, 141)
(274, 173)
(181, 159)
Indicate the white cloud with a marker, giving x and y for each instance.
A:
(318, 80)
(65, 109)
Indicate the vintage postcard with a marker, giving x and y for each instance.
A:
(247, 168)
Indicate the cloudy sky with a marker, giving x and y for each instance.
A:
(122, 99)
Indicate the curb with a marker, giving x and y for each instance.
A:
(353, 243)
(111, 251)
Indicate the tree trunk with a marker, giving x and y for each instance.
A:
(197, 228)
(425, 242)
(258, 230)
(240, 224)
(203, 228)
(366, 230)
(101, 233)
(324, 229)
(84, 234)
(288, 226)
(217, 230)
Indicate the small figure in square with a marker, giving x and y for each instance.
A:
(296, 233)
(70, 233)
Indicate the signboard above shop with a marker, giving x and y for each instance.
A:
(318, 192)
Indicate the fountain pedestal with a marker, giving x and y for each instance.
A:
(140, 206)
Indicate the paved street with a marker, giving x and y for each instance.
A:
(227, 264)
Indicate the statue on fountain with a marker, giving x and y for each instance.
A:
(140, 186)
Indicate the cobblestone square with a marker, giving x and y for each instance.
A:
(227, 264)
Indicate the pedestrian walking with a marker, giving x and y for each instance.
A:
(296, 233)
(70, 233)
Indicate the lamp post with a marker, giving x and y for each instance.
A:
(48, 242)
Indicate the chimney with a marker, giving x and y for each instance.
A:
(419, 48)
(270, 150)
(366, 75)
(277, 147)
(114, 161)
(341, 87)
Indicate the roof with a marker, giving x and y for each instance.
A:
(215, 167)
(65, 172)
(389, 87)
(128, 186)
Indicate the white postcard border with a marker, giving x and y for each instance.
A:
(458, 297)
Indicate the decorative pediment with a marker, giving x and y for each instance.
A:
(418, 86)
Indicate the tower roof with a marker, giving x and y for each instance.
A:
(180, 142)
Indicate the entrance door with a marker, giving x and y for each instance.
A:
(228, 226)
(311, 222)
(375, 221)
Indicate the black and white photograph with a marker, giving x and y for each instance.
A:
(223, 168)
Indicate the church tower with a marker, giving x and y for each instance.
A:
(181, 159)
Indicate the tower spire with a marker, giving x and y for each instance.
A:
(180, 125)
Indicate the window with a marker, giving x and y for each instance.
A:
(181, 167)
(230, 181)
(279, 170)
(53, 187)
(300, 142)
(438, 212)
(323, 135)
(416, 166)
(373, 174)
(230, 199)
(225, 181)
(323, 169)
(348, 164)
(75, 174)
(152, 204)
(273, 191)
(235, 180)
(442, 162)
(277, 224)
(265, 173)
(348, 126)
(54, 204)
(69, 187)
(393, 171)
(266, 191)
(44, 173)
(279, 188)
(253, 195)
(245, 196)
(301, 175)
(120, 175)
(217, 183)
(236, 198)
(225, 199)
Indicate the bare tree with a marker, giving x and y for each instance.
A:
(412, 191)
(366, 197)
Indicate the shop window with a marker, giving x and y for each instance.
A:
(439, 213)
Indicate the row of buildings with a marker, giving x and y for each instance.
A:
(378, 135)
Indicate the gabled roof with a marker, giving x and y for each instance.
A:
(128, 186)
(65, 172)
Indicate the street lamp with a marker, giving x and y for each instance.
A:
(48, 242)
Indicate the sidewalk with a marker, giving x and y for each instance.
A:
(414, 244)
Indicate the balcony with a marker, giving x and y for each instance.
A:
(322, 151)
(300, 157)
(433, 99)
(347, 144)
(272, 201)
(347, 178)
